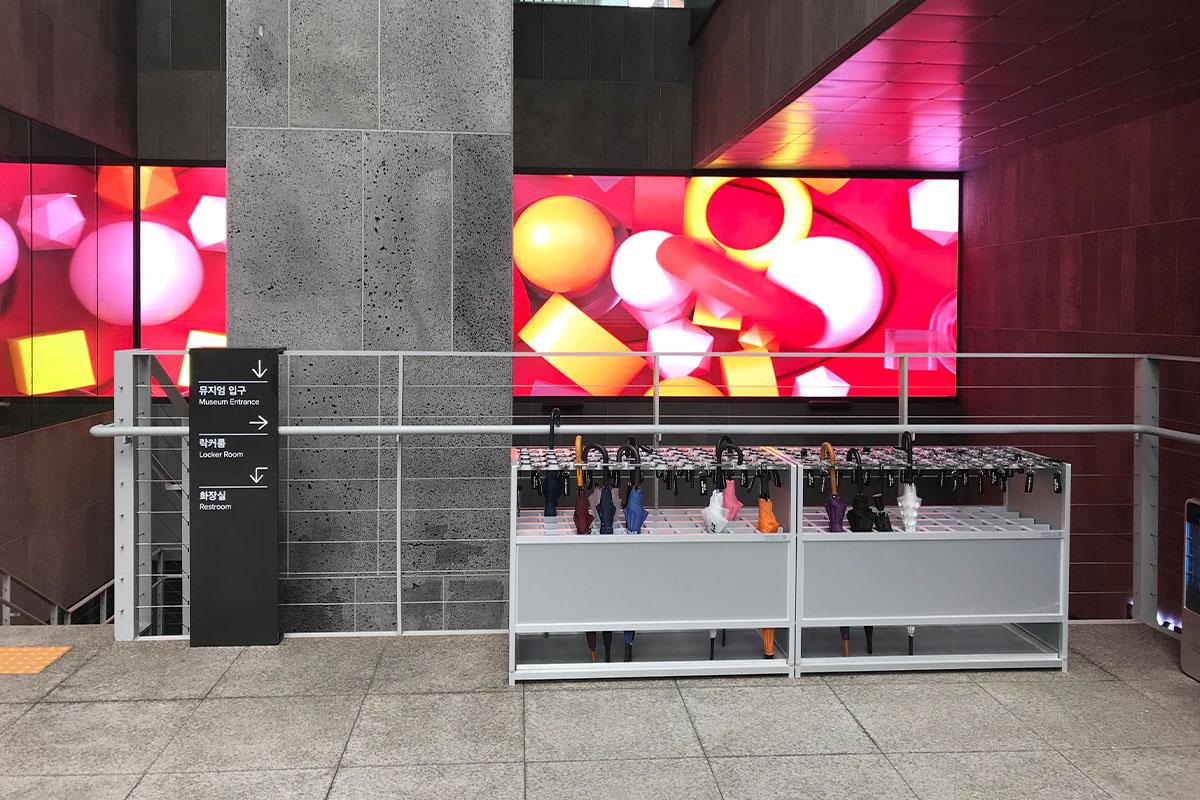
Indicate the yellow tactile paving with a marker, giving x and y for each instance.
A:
(28, 660)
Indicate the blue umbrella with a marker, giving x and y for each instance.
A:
(635, 512)
(551, 491)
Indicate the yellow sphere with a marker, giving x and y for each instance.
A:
(685, 387)
(562, 244)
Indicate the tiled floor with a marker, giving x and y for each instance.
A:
(430, 718)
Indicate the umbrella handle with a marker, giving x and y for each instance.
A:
(555, 421)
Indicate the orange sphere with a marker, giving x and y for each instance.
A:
(684, 387)
(562, 244)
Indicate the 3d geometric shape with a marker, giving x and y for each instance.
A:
(10, 251)
(797, 216)
(207, 223)
(560, 327)
(101, 273)
(747, 376)
(198, 339)
(51, 362)
(933, 209)
(562, 244)
(917, 344)
(684, 387)
(50, 221)
(652, 319)
(819, 382)
(826, 185)
(681, 336)
(839, 278)
(157, 185)
(702, 316)
(638, 278)
(757, 336)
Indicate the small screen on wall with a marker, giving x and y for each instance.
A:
(745, 287)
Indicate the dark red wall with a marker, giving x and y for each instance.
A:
(1092, 245)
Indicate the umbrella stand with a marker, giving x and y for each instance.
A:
(767, 523)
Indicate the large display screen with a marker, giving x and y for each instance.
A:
(722, 275)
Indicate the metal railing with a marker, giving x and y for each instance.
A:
(144, 538)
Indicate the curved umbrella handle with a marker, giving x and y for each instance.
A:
(578, 461)
(830, 454)
(555, 421)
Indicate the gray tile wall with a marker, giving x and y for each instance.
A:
(181, 80)
(370, 191)
(602, 88)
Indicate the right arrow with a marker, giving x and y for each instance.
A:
(260, 422)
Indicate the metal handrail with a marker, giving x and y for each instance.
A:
(23, 612)
(90, 597)
(109, 430)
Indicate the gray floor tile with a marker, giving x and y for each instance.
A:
(1162, 774)
(457, 782)
(936, 718)
(1079, 668)
(1099, 714)
(1181, 695)
(774, 721)
(67, 787)
(279, 784)
(475, 728)
(590, 725)
(90, 738)
(650, 779)
(896, 678)
(303, 666)
(1129, 651)
(1039, 775)
(10, 712)
(261, 733)
(841, 777)
(85, 642)
(443, 664)
(146, 671)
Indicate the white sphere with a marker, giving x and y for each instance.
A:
(639, 279)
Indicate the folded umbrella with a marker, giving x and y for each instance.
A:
(635, 511)
(551, 491)
(767, 523)
(715, 520)
(606, 509)
(583, 516)
(730, 501)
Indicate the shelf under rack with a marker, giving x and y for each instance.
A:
(672, 523)
(938, 522)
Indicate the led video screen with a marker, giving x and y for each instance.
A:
(766, 284)
(67, 271)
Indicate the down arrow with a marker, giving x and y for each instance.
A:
(259, 371)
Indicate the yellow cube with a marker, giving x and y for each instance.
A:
(52, 362)
(198, 339)
(746, 376)
(560, 327)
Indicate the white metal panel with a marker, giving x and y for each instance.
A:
(844, 579)
(647, 580)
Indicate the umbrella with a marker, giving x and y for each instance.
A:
(767, 523)
(629, 645)
(729, 500)
(606, 509)
(882, 521)
(835, 507)
(861, 517)
(551, 491)
(583, 516)
(715, 520)
(635, 511)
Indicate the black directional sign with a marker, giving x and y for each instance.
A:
(233, 436)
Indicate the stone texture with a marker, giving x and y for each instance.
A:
(68, 787)
(477, 616)
(995, 776)
(256, 72)
(278, 784)
(422, 525)
(295, 238)
(677, 778)
(483, 241)
(454, 556)
(936, 718)
(331, 526)
(407, 256)
(840, 777)
(449, 66)
(1164, 773)
(472, 728)
(458, 782)
(423, 664)
(147, 671)
(261, 733)
(800, 720)
(334, 64)
(298, 667)
(90, 738)
(579, 725)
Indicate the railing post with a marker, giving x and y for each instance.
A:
(902, 391)
(125, 511)
(657, 436)
(399, 491)
(6, 596)
(1145, 512)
